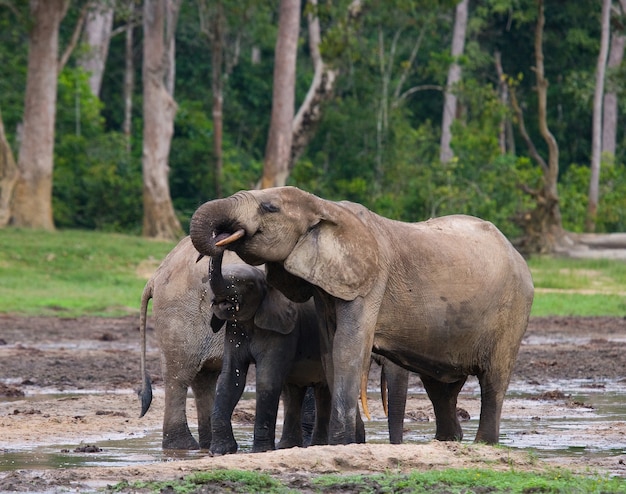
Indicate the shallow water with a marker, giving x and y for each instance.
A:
(581, 425)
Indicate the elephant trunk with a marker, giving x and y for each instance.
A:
(216, 278)
(213, 226)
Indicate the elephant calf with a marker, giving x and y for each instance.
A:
(282, 338)
(192, 354)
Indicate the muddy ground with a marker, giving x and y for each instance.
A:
(72, 382)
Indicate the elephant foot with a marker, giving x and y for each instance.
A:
(223, 448)
(288, 444)
(180, 443)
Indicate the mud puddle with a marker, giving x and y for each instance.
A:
(573, 418)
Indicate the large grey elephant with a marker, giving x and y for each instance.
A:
(192, 354)
(281, 337)
(445, 298)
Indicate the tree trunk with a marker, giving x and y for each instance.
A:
(129, 76)
(454, 76)
(596, 140)
(278, 151)
(610, 109)
(96, 37)
(320, 91)
(8, 177)
(32, 198)
(159, 110)
(542, 226)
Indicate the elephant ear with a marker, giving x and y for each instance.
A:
(216, 323)
(276, 313)
(338, 254)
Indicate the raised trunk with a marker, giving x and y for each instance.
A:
(216, 279)
(212, 223)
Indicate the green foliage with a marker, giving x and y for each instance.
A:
(574, 197)
(97, 184)
(73, 272)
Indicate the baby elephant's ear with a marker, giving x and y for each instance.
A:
(276, 313)
(339, 254)
(216, 323)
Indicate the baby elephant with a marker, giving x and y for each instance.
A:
(192, 353)
(282, 338)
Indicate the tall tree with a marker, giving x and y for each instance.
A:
(129, 73)
(32, 197)
(96, 37)
(8, 177)
(454, 76)
(159, 110)
(321, 89)
(596, 142)
(609, 108)
(542, 226)
(278, 150)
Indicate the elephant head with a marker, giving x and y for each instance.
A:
(303, 240)
(241, 294)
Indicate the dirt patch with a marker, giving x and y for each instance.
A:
(83, 373)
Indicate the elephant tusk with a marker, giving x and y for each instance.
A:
(366, 411)
(231, 238)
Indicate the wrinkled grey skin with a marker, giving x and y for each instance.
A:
(192, 354)
(281, 337)
(445, 298)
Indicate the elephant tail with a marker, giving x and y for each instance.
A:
(145, 394)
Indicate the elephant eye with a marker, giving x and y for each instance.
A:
(268, 207)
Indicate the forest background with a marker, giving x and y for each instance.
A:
(377, 136)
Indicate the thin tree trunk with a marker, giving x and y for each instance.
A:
(8, 177)
(32, 198)
(159, 110)
(542, 226)
(610, 110)
(596, 140)
(129, 76)
(278, 151)
(96, 37)
(454, 76)
(320, 91)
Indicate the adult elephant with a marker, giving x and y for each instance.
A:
(281, 337)
(446, 298)
(192, 354)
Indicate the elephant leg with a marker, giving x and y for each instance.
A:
(493, 385)
(176, 433)
(228, 391)
(308, 416)
(397, 382)
(203, 386)
(351, 350)
(268, 388)
(322, 415)
(293, 397)
(444, 398)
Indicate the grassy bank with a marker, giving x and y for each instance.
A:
(73, 273)
(466, 481)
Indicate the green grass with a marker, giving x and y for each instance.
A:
(73, 273)
(578, 287)
(466, 481)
